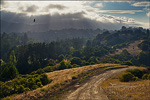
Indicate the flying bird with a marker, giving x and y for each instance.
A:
(34, 20)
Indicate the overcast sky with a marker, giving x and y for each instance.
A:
(131, 13)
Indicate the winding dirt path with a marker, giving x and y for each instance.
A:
(91, 90)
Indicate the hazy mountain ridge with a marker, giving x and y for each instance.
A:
(40, 27)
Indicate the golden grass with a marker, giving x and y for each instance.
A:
(67, 74)
(136, 90)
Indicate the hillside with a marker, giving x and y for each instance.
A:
(64, 78)
(133, 48)
(25, 62)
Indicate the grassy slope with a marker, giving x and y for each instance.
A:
(63, 79)
(132, 48)
(137, 90)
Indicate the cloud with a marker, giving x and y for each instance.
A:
(148, 14)
(2, 2)
(141, 4)
(32, 8)
(54, 6)
(98, 5)
(63, 21)
(120, 11)
(66, 14)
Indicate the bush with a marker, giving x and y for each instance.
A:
(92, 63)
(127, 63)
(76, 60)
(49, 68)
(148, 77)
(62, 65)
(126, 77)
(39, 84)
(145, 77)
(21, 89)
(44, 79)
(74, 77)
(87, 63)
(136, 72)
(93, 60)
(135, 78)
(39, 71)
(34, 86)
(51, 62)
(75, 65)
(22, 84)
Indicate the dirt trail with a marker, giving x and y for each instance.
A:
(91, 90)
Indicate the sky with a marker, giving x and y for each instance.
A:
(103, 13)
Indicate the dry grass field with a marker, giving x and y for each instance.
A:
(132, 48)
(116, 90)
(62, 79)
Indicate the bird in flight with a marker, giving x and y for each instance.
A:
(34, 20)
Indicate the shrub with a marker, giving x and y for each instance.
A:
(135, 78)
(126, 77)
(21, 89)
(83, 63)
(34, 86)
(87, 63)
(136, 72)
(51, 62)
(92, 63)
(39, 84)
(127, 63)
(44, 79)
(92, 60)
(75, 65)
(62, 65)
(148, 77)
(76, 60)
(145, 76)
(148, 67)
(22, 84)
(39, 71)
(49, 68)
(27, 89)
(74, 77)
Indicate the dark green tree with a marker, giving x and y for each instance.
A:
(4, 75)
(61, 57)
(76, 60)
(12, 58)
(13, 72)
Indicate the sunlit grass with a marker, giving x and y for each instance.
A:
(136, 90)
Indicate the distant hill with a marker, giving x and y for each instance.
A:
(53, 35)
(8, 26)
(121, 36)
